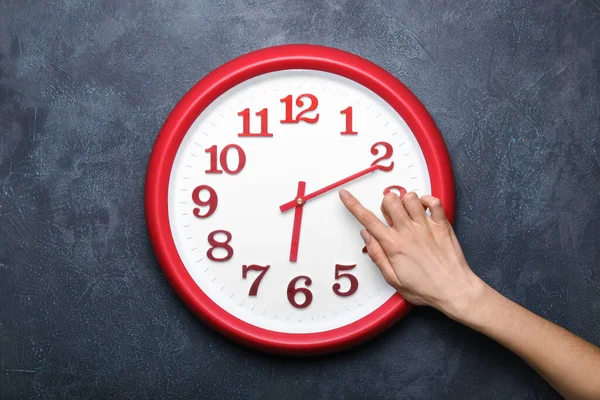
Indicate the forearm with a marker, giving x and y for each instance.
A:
(419, 255)
(568, 363)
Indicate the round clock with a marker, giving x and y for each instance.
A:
(241, 195)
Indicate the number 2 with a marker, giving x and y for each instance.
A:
(389, 150)
(256, 283)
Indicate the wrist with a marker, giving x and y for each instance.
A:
(465, 301)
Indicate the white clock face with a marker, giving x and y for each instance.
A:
(226, 189)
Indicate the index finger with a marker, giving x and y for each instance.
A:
(364, 216)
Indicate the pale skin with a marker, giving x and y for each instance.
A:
(421, 258)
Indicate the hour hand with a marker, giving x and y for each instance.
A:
(297, 222)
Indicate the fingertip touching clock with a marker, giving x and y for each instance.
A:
(241, 195)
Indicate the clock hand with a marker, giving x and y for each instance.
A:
(300, 200)
(297, 223)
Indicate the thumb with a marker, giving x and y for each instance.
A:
(381, 259)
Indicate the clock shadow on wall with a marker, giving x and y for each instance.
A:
(259, 254)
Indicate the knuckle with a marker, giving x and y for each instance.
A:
(369, 219)
(395, 255)
(375, 255)
(391, 196)
(356, 208)
(410, 196)
(351, 203)
(372, 257)
(387, 201)
(388, 279)
(393, 249)
(435, 202)
(443, 228)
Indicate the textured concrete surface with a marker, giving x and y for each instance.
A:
(84, 88)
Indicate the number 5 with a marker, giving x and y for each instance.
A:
(253, 267)
(353, 281)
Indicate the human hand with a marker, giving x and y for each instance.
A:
(418, 254)
(421, 258)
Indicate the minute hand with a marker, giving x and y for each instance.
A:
(294, 203)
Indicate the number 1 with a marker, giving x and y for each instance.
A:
(348, 113)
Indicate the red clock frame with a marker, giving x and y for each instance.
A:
(206, 91)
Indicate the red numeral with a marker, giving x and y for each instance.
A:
(292, 290)
(348, 113)
(212, 201)
(353, 281)
(264, 119)
(214, 168)
(256, 283)
(219, 245)
(400, 189)
(389, 150)
(289, 119)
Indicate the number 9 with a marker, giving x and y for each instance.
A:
(212, 201)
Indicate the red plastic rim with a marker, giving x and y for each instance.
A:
(206, 91)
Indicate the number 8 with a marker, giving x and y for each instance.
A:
(219, 245)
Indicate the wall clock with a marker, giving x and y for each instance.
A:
(241, 195)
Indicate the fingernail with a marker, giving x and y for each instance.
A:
(344, 194)
(365, 235)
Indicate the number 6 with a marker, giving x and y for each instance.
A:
(292, 290)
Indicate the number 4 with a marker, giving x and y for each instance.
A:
(256, 283)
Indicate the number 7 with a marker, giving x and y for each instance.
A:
(253, 267)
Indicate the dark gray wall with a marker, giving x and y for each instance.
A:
(84, 88)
